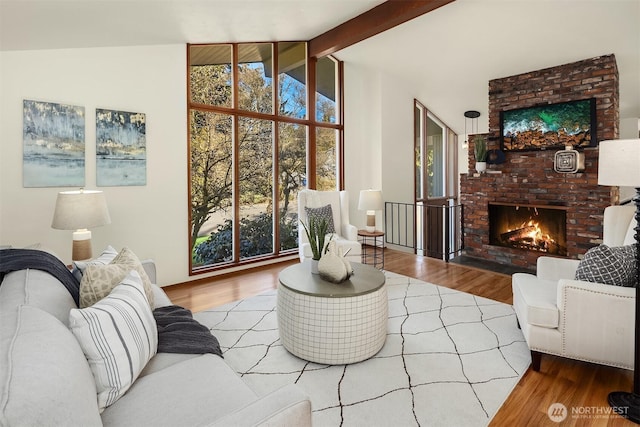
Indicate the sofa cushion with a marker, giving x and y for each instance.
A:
(45, 378)
(320, 214)
(36, 288)
(608, 265)
(163, 360)
(536, 299)
(630, 236)
(160, 298)
(118, 336)
(205, 389)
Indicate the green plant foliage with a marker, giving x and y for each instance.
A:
(256, 239)
(316, 231)
(480, 148)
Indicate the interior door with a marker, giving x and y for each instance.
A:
(436, 184)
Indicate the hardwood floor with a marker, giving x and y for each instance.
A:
(581, 387)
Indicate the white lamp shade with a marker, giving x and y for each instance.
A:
(619, 163)
(80, 210)
(370, 200)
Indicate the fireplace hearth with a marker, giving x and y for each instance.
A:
(533, 228)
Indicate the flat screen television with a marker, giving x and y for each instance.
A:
(549, 126)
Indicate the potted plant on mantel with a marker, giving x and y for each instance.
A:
(480, 151)
(316, 230)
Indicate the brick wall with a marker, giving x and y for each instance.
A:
(528, 177)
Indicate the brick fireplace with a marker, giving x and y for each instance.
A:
(528, 178)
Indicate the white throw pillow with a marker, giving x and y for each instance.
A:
(118, 336)
(103, 259)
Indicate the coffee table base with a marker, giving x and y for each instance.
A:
(332, 331)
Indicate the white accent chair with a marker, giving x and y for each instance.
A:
(579, 320)
(346, 235)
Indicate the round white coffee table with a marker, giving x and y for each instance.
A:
(331, 323)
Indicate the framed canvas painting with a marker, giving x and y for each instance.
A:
(53, 144)
(549, 126)
(121, 148)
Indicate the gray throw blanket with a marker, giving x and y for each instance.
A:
(20, 259)
(179, 332)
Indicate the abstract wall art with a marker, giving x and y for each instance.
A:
(53, 137)
(121, 148)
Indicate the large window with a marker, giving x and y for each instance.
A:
(264, 123)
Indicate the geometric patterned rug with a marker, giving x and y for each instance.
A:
(450, 359)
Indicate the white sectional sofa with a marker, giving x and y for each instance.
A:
(45, 378)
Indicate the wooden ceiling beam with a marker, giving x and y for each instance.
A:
(374, 21)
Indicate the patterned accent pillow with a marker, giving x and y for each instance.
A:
(118, 336)
(99, 280)
(127, 257)
(609, 265)
(325, 212)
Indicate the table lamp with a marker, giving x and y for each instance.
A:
(80, 210)
(370, 201)
(619, 165)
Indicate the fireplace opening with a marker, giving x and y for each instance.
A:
(533, 228)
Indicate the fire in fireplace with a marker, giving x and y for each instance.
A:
(534, 228)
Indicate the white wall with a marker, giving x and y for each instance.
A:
(362, 148)
(397, 140)
(152, 219)
(378, 138)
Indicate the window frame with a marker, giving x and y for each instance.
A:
(235, 112)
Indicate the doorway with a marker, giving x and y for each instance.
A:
(438, 213)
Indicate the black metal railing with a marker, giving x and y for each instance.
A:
(399, 223)
(432, 229)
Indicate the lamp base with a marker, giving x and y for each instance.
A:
(626, 405)
(81, 249)
(371, 221)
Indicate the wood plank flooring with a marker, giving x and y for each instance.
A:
(581, 387)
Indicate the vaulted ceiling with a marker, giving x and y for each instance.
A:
(448, 55)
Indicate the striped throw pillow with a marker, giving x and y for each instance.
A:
(118, 336)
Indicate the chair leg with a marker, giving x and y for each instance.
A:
(536, 356)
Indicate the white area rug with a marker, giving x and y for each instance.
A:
(450, 359)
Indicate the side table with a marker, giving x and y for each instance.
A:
(372, 256)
